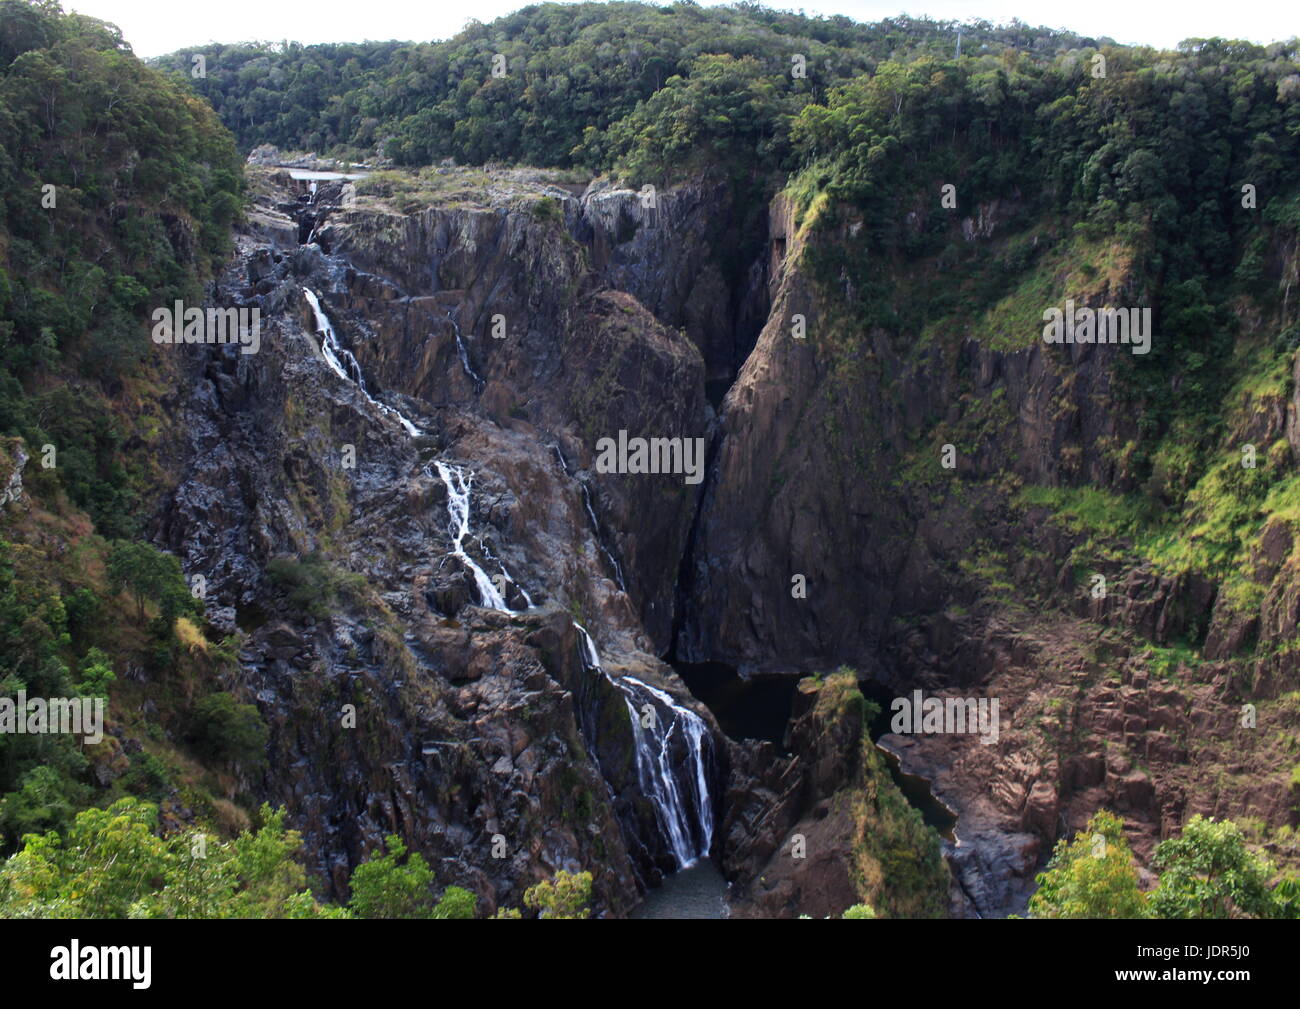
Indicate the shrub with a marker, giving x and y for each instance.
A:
(222, 729)
(567, 895)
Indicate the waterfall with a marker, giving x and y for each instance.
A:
(457, 483)
(464, 354)
(674, 793)
(458, 488)
(695, 732)
(591, 514)
(528, 600)
(681, 798)
(336, 355)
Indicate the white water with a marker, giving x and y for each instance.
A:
(694, 730)
(336, 355)
(591, 514)
(528, 600)
(464, 354)
(505, 573)
(458, 489)
(458, 484)
(659, 779)
(655, 771)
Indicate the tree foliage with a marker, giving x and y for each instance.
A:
(117, 192)
(565, 895)
(398, 884)
(1152, 156)
(118, 189)
(114, 864)
(223, 730)
(392, 885)
(150, 576)
(1092, 876)
(573, 72)
(1207, 872)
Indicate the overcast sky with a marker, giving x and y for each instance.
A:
(154, 27)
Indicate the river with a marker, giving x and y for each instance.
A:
(697, 892)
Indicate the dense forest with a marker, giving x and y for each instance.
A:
(120, 182)
(118, 189)
(567, 74)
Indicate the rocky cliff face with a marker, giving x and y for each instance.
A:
(396, 701)
(832, 499)
(823, 828)
(501, 310)
(516, 323)
(926, 576)
(693, 255)
(13, 457)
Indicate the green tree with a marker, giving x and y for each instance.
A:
(1092, 876)
(1286, 895)
(566, 895)
(114, 864)
(223, 729)
(456, 902)
(96, 674)
(393, 885)
(1207, 872)
(109, 860)
(47, 796)
(150, 576)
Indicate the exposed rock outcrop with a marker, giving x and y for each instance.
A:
(13, 457)
(820, 830)
(396, 702)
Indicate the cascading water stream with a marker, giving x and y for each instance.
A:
(457, 483)
(528, 600)
(695, 732)
(464, 354)
(458, 488)
(675, 796)
(336, 355)
(591, 514)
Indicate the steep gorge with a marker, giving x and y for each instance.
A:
(512, 321)
(426, 603)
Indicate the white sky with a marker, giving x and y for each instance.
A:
(154, 27)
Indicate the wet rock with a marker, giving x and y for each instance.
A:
(13, 457)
